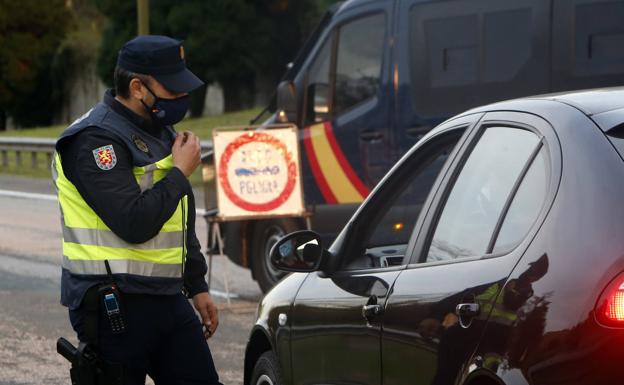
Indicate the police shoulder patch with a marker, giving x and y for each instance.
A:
(105, 157)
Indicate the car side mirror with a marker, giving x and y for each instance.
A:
(286, 102)
(318, 99)
(300, 251)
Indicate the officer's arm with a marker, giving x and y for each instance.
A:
(195, 266)
(114, 194)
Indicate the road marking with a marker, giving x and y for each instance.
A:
(26, 195)
(52, 197)
(50, 271)
(222, 294)
(30, 268)
(26, 267)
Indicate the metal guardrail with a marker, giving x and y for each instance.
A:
(36, 146)
(19, 146)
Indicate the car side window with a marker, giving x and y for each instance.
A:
(391, 222)
(480, 193)
(525, 206)
(318, 85)
(358, 62)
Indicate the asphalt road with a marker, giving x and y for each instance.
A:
(31, 318)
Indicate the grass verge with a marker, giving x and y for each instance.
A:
(200, 126)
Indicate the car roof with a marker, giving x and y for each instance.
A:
(591, 102)
(349, 4)
(603, 105)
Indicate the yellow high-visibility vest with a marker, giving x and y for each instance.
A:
(496, 308)
(88, 242)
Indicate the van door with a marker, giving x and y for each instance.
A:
(346, 107)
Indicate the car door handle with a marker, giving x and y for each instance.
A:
(371, 311)
(467, 310)
(371, 135)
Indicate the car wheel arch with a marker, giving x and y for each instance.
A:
(259, 342)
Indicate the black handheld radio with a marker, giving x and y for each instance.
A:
(112, 307)
(112, 303)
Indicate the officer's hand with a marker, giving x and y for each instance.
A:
(186, 151)
(208, 312)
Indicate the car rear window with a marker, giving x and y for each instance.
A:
(525, 206)
(480, 192)
(616, 136)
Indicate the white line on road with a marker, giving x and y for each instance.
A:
(50, 271)
(26, 195)
(25, 267)
(222, 294)
(52, 197)
(29, 268)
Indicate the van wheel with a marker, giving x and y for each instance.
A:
(266, 371)
(265, 235)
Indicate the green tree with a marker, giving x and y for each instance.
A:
(228, 41)
(292, 21)
(30, 34)
(222, 40)
(121, 27)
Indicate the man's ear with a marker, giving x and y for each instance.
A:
(137, 91)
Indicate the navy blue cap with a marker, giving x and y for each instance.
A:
(161, 57)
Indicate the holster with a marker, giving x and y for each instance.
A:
(87, 367)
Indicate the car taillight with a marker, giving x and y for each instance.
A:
(610, 305)
(615, 306)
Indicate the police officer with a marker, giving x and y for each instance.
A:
(130, 253)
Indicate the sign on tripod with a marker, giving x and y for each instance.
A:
(258, 173)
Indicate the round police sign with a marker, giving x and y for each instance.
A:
(258, 173)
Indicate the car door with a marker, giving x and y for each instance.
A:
(466, 247)
(346, 106)
(336, 318)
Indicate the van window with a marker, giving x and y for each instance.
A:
(453, 53)
(465, 54)
(507, 44)
(387, 226)
(454, 47)
(318, 85)
(400, 214)
(358, 62)
(599, 38)
(588, 36)
(525, 206)
(479, 195)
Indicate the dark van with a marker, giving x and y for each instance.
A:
(376, 75)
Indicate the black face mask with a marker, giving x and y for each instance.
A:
(167, 111)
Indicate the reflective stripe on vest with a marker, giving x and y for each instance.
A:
(87, 241)
(496, 308)
(146, 269)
